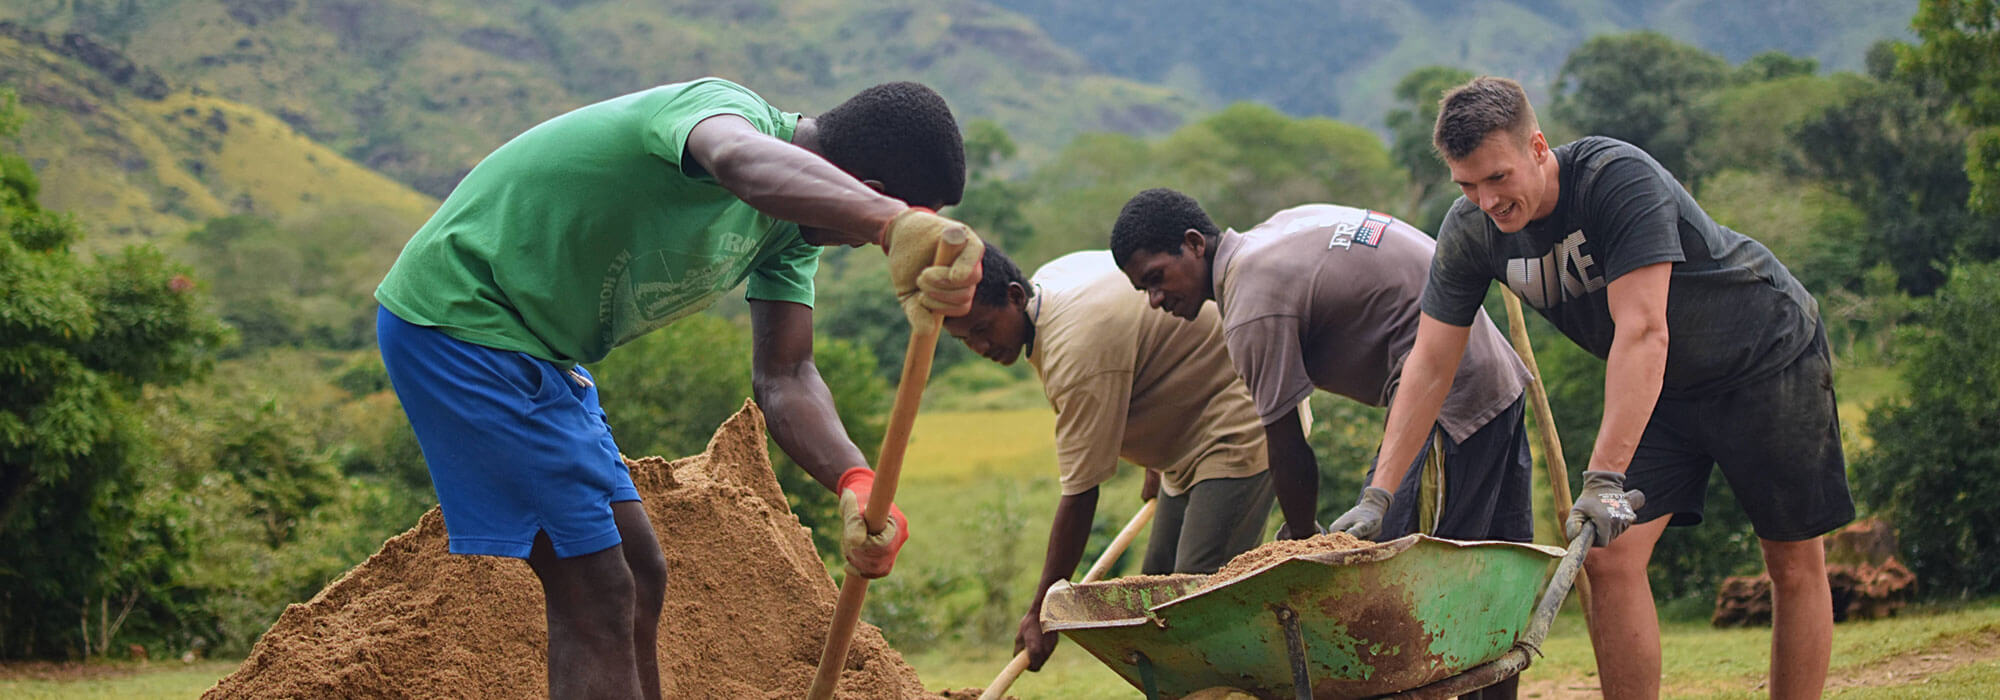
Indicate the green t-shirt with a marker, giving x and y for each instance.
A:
(589, 230)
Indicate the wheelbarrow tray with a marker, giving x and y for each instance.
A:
(1375, 620)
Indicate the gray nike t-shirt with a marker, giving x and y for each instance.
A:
(1734, 313)
(1327, 296)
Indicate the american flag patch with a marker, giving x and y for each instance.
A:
(1373, 228)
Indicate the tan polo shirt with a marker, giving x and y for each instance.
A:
(1327, 296)
(1129, 381)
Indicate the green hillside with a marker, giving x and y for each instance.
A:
(137, 159)
(1341, 58)
(420, 90)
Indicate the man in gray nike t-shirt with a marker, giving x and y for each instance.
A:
(1714, 355)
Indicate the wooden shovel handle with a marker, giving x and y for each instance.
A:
(888, 466)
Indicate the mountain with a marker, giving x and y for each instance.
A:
(1342, 58)
(421, 89)
(138, 158)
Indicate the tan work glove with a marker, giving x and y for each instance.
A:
(922, 287)
(871, 554)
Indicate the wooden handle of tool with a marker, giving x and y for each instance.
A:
(1552, 453)
(1014, 668)
(909, 394)
(888, 466)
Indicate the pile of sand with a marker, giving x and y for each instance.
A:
(747, 605)
(1284, 549)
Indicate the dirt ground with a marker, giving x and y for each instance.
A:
(747, 606)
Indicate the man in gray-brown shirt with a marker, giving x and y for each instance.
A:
(1327, 296)
(1126, 382)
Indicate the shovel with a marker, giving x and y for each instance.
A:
(888, 466)
(1118, 544)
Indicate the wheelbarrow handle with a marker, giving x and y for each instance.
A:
(1559, 585)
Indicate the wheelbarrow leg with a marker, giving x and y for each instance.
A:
(1295, 650)
(1149, 680)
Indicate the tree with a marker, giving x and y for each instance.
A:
(1640, 88)
(1961, 50)
(992, 203)
(1887, 146)
(1935, 468)
(1411, 123)
(79, 339)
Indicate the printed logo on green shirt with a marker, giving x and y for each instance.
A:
(646, 291)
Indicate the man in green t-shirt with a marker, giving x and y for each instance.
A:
(608, 222)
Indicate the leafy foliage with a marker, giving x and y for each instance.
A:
(1639, 88)
(1411, 124)
(1935, 469)
(1887, 146)
(82, 338)
(1961, 51)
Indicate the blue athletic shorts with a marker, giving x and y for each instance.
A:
(516, 445)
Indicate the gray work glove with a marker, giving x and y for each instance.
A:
(1364, 520)
(1605, 503)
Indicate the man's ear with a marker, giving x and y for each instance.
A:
(1194, 242)
(1539, 145)
(1017, 295)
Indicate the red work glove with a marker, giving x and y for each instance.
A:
(871, 554)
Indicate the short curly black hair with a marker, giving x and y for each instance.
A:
(902, 135)
(996, 272)
(1155, 221)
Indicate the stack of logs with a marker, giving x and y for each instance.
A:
(1868, 582)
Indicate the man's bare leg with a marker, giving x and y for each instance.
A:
(1625, 626)
(589, 602)
(1801, 617)
(649, 579)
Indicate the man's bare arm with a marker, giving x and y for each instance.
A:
(1420, 394)
(785, 181)
(1638, 362)
(1294, 474)
(796, 402)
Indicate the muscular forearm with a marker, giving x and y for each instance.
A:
(801, 414)
(1068, 534)
(1411, 415)
(790, 183)
(1632, 376)
(1420, 394)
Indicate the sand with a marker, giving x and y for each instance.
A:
(747, 605)
(1273, 551)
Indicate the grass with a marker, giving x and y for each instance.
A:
(128, 680)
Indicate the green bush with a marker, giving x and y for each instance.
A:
(1935, 467)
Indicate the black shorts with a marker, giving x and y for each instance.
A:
(1487, 480)
(1777, 441)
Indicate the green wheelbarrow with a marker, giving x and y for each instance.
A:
(1416, 617)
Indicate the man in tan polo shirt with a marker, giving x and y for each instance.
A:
(1127, 382)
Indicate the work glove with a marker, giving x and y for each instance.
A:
(871, 555)
(1037, 643)
(1605, 503)
(1364, 520)
(1149, 488)
(923, 287)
